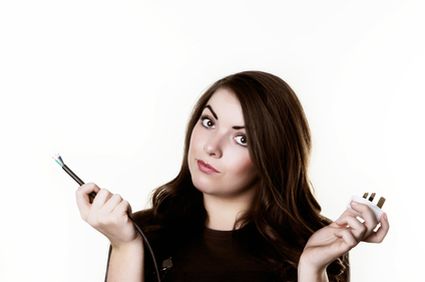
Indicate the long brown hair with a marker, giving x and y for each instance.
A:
(284, 212)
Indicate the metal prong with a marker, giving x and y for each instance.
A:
(372, 196)
(365, 195)
(381, 202)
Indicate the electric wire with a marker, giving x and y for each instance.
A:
(58, 159)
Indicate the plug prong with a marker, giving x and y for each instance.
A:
(381, 202)
(372, 196)
(365, 195)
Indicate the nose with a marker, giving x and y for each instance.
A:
(213, 146)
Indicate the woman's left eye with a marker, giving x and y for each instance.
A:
(243, 140)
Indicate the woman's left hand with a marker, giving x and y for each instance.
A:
(332, 241)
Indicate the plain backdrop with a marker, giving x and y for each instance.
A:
(110, 86)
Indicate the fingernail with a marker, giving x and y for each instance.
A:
(354, 203)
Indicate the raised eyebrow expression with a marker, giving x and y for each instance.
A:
(215, 116)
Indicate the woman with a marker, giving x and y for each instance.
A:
(241, 207)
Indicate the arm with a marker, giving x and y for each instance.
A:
(126, 263)
(308, 274)
(109, 214)
(332, 241)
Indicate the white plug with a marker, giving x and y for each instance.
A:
(376, 208)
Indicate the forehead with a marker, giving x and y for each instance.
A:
(224, 99)
(226, 105)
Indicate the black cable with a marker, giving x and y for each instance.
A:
(92, 195)
(158, 278)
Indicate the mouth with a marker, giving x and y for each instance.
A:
(207, 168)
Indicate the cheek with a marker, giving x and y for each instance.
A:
(195, 145)
(241, 173)
(195, 139)
(241, 164)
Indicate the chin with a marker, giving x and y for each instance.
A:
(202, 186)
(213, 189)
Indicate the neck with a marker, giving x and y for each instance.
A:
(223, 212)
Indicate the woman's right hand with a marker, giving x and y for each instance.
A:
(108, 214)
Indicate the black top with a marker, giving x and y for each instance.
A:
(186, 253)
(204, 256)
(217, 256)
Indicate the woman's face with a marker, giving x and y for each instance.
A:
(219, 139)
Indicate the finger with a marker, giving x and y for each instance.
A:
(349, 241)
(367, 214)
(82, 197)
(347, 212)
(358, 228)
(112, 203)
(122, 208)
(378, 236)
(101, 198)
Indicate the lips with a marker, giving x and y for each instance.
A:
(203, 166)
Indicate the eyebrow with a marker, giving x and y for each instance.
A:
(215, 116)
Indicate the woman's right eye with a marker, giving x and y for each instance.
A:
(206, 122)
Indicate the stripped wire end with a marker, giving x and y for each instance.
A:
(58, 160)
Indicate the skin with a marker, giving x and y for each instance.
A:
(356, 224)
(216, 142)
(108, 214)
(226, 194)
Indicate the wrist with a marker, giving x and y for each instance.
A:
(310, 273)
(136, 243)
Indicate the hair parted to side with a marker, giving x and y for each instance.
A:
(284, 211)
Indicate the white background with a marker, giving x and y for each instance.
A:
(110, 86)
